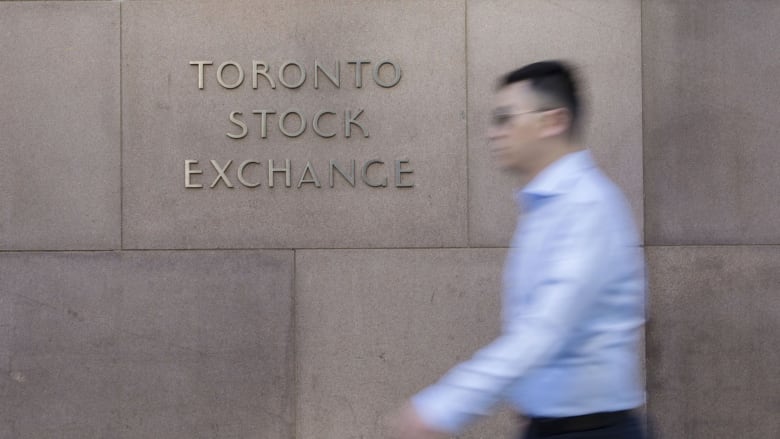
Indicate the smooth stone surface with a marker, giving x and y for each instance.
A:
(167, 120)
(147, 344)
(712, 342)
(60, 144)
(602, 39)
(376, 326)
(712, 166)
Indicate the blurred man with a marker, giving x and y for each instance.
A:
(573, 303)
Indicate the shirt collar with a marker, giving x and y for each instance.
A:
(556, 178)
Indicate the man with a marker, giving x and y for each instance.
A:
(573, 303)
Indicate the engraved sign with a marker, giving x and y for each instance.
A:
(265, 123)
(338, 124)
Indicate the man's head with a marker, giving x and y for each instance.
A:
(536, 116)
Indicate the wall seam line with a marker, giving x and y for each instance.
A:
(645, 328)
(121, 142)
(294, 355)
(642, 109)
(468, 139)
(276, 249)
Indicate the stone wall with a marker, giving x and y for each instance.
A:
(134, 306)
(712, 173)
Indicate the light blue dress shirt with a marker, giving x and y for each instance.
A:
(573, 309)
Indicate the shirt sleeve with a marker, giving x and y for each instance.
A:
(570, 279)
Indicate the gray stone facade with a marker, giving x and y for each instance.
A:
(133, 306)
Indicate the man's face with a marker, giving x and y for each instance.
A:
(515, 128)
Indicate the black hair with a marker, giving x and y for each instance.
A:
(555, 82)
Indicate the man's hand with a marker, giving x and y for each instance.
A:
(407, 424)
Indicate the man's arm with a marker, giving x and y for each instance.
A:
(570, 282)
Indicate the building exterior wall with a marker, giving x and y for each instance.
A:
(711, 199)
(136, 306)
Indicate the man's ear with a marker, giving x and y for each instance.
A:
(556, 122)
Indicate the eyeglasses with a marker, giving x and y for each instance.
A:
(501, 119)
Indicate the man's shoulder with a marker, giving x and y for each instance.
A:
(593, 187)
(596, 194)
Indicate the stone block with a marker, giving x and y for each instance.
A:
(168, 119)
(712, 341)
(376, 326)
(147, 344)
(711, 156)
(602, 39)
(60, 143)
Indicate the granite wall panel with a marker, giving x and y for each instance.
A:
(168, 119)
(60, 142)
(712, 166)
(375, 326)
(712, 341)
(146, 344)
(602, 39)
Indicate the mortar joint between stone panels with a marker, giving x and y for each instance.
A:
(22, 251)
(468, 140)
(244, 249)
(714, 245)
(121, 144)
(294, 355)
(295, 250)
(642, 118)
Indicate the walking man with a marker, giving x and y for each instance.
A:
(573, 299)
